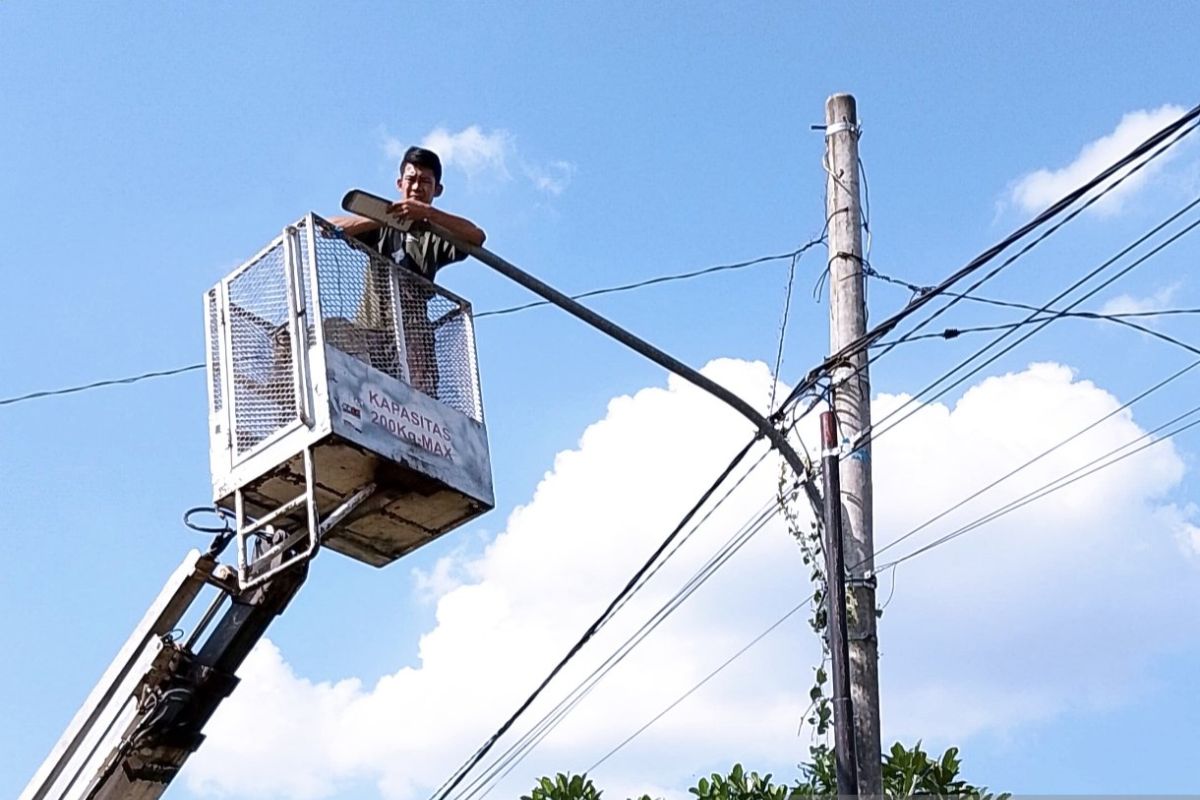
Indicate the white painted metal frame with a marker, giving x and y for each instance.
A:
(264, 547)
(252, 568)
(78, 761)
(401, 343)
(251, 573)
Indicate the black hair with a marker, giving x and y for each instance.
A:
(420, 157)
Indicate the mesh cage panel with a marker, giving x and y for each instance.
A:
(358, 306)
(263, 389)
(217, 401)
(429, 345)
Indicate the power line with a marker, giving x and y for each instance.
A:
(958, 297)
(795, 254)
(703, 681)
(875, 433)
(1051, 315)
(683, 539)
(516, 752)
(1061, 482)
(508, 761)
(8, 401)
(867, 339)
(1161, 140)
(457, 777)
(1128, 404)
(1178, 129)
(1122, 317)
(787, 305)
(1042, 321)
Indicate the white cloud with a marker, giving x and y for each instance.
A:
(474, 152)
(964, 643)
(1179, 520)
(1128, 304)
(1038, 189)
(553, 178)
(488, 156)
(444, 578)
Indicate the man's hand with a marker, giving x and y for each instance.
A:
(412, 210)
(416, 211)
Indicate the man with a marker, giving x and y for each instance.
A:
(419, 250)
(423, 252)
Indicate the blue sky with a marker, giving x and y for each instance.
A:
(147, 149)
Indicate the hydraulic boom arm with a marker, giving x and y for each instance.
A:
(146, 715)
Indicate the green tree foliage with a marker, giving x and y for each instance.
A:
(564, 787)
(907, 772)
(739, 785)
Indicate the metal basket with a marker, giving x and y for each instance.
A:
(319, 347)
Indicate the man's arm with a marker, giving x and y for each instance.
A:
(458, 227)
(353, 225)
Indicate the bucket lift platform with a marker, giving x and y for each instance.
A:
(344, 412)
(344, 404)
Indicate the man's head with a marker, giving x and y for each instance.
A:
(420, 175)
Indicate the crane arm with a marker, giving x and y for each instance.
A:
(146, 715)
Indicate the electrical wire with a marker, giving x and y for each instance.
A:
(958, 297)
(1119, 318)
(683, 539)
(1059, 445)
(507, 761)
(793, 255)
(503, 765)
(1159, 143)
(8, 401)
(1178, 129)
(862, 171)
(787, 305)
(875, 432)
(661, 279)
(919, 301)
(1059, 483)
(703, 681)
(457, 777)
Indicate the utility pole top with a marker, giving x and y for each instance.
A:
(842, 100)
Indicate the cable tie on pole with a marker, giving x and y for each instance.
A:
(840, 127)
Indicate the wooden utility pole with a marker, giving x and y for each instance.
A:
(852, 405)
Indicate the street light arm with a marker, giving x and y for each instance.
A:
(607, 327)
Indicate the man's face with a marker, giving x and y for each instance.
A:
(418, 183)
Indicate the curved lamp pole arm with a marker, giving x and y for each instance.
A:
(607, 327)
